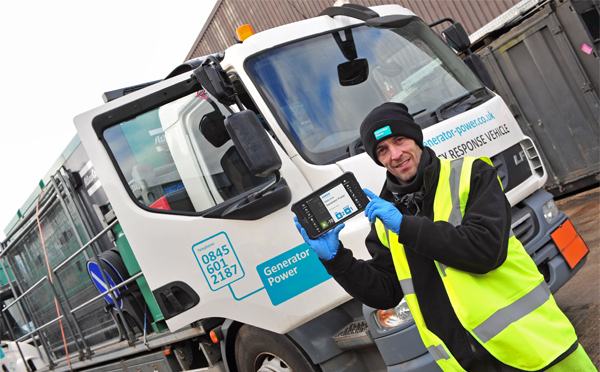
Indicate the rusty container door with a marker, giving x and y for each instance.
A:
(539, 74)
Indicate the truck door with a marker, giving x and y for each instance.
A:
(186, 201)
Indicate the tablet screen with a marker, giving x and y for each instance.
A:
(333, 205)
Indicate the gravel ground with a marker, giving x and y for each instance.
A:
(579, 299)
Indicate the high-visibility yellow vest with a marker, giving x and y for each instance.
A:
(509, 310)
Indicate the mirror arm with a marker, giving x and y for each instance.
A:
(216, 82)
(238, 102)
(441, 21)
(259, 194)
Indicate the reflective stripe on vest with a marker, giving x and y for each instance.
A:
(434, 345)
(509, 310)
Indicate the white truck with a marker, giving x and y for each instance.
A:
(199, 171)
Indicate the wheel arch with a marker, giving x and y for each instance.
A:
(316, 337)
(230, 330)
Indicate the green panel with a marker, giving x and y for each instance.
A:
(133, 268)
(31, 201)
(58, 163)
(3, 279)
(13, 222)
(125, 250)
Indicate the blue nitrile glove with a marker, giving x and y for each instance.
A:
(384, 210)
(326, 245)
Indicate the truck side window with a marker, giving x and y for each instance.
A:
(179, 156)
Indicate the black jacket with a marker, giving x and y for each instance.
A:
(478, 245)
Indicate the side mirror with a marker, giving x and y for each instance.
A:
(253, 143)
(475, 64)
(457, 37)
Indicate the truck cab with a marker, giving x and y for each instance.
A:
(201, 170)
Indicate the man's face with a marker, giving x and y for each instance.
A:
(401, 157)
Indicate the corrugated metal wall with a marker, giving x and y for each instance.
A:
(220, 31)
(541, 72)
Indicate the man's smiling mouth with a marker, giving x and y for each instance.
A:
(402, 164)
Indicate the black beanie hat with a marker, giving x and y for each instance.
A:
(388, 120)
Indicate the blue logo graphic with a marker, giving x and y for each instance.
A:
(291, 273)
(379, 133)
(347, 209)
(218, 261)
(284, 276)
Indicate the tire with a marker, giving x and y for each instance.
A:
(260, 350)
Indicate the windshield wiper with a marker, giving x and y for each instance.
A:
(455, 102)
(418, 112)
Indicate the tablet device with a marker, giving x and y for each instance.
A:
(332, 204)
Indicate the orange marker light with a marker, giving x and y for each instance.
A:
(244, 32)
(213, 337)
(384, 316)
(167, 352)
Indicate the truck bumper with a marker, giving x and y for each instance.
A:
(424, 363)
(538, 242)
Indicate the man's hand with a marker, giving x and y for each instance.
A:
(384, 210)
(326, 245)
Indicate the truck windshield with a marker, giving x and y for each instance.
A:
(300, 81)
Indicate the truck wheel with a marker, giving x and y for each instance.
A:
(258, 350)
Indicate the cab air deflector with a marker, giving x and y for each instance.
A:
(350, 10)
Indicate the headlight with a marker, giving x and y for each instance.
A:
(394, 317)
(550, 211)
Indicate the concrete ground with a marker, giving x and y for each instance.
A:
(579, 299)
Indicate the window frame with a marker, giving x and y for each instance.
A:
(128, 111)
(335, 156)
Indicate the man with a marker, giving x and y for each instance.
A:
(477, 298)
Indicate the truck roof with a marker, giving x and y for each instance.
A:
(303, 29)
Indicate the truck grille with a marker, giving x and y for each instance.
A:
(354, 329)
(354, 336)
(512, 165)
(524, 225)
(533, 156)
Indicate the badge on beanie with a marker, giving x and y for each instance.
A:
(379, 133)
